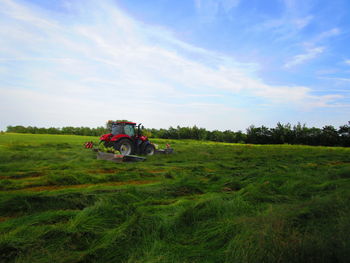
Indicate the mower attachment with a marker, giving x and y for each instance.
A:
(118, 158)
(167, 150)
(164, 151)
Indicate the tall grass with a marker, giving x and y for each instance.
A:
(209, 202)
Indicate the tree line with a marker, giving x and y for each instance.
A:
(281, 134)
(86, 131)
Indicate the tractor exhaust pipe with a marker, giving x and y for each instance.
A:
(138, 129)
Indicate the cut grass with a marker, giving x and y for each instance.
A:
(208, 202)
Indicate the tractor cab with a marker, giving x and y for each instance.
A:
(127, 128)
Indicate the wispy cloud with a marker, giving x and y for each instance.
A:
(208, 10)
(347, 61)
(310, 54)
(106, 65)
(322, 37)
(292, 20)
(312, 50)
(337, 79)
(226, 5)
(327, 34)
(302, 22)
(285, 27)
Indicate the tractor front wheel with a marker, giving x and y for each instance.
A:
(150, 149)
(124, 146)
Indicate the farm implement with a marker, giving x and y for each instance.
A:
(124, 143)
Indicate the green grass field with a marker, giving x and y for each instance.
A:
(208, 202)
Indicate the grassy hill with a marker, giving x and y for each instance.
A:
(208, 202)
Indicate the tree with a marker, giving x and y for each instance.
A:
(344, 133)
(282, 134)
(329, 136)
(259, 135)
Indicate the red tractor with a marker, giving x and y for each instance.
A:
(124, 139)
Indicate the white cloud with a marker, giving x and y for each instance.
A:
(35, 108)
(100, 64)
(310, 54)
(347, 61)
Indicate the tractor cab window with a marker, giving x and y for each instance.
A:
(117, 129)
(129, 130)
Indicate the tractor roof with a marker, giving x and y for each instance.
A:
(125, 122)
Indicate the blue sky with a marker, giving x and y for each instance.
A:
(223, 64)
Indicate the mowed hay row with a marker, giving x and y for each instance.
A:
(208, 202)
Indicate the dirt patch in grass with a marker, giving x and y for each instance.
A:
(27, 178)
(156, 171)
(24, 175)
(338, 163)
(103, 171)
(5, 218)
(309, 165)
(59, 187)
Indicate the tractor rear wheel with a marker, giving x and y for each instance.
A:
(150, 149)
(124, 146)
